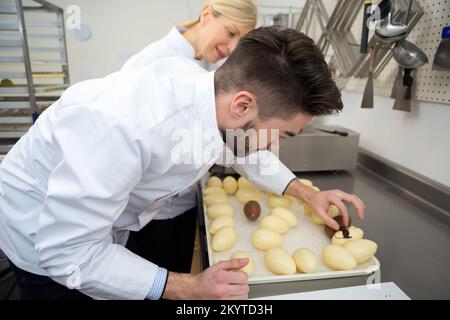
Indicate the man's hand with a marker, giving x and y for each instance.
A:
(220, 281)
(320, 201)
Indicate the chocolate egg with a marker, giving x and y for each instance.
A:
(340, 220)
(252, 210)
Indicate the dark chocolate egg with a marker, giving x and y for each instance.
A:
(340, 220)
(252, 210)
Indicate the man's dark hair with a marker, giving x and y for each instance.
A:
(286, 72)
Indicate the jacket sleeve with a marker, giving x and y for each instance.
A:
(266, 170)
(97, 165)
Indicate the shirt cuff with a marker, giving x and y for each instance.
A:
(159, 285)
(281, 181)
(285, 189)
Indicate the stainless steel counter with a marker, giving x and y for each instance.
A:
(414, 245)
(383, 291)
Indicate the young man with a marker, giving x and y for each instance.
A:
(102, 160)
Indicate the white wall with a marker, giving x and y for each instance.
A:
(120, 29)
(419, 141)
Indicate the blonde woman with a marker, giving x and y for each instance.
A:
(207, 40)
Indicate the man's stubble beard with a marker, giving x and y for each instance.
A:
(240, 146)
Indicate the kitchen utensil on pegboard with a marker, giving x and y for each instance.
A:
(404, 103)
(365, 27)
(442, 56)
(409, 57)
(398, 90)
(388, 28)
(367, 101)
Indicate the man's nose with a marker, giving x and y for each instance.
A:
(276, 144)
(273, 145)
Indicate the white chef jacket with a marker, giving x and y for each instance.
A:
(175, 45)
(172, 45)
(98, 162)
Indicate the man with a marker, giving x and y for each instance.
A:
(102, 160)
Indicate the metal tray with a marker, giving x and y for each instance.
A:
(306, 234)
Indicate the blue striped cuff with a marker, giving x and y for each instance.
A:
(157, 289)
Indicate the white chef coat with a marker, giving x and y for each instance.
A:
(175, 45)
(98, 162)
(172, 45)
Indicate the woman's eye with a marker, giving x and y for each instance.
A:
(231, 34)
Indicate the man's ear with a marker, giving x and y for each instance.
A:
(242, 104)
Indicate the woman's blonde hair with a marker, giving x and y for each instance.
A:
(241, 11)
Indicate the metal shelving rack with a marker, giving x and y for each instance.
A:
(33, 64)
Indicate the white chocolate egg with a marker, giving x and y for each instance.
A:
(230, 185)
(224, 239)
(220, 209)
(213, 199)
(286, 215)
(244, 195)
(337, 258)
(215, 182)
(213, 190)
(274, 223)
(283, 202)
(305, 260)
(244, 183)
(220, 222)
(362, 250)
(265, 239)
(279, 262)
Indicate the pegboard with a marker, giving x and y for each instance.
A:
(429, 85)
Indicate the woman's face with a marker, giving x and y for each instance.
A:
(218, 36)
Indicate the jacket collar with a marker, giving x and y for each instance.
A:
(180, 43)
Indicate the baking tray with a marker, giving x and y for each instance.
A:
(306, 234)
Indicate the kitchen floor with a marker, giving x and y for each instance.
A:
(412, 241)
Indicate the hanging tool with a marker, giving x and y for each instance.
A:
(365, 27)
(384, 7)
(390, 29)
(367, 101)
(442, 56)
(410, 57)
(404, 103)
(398, 90)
